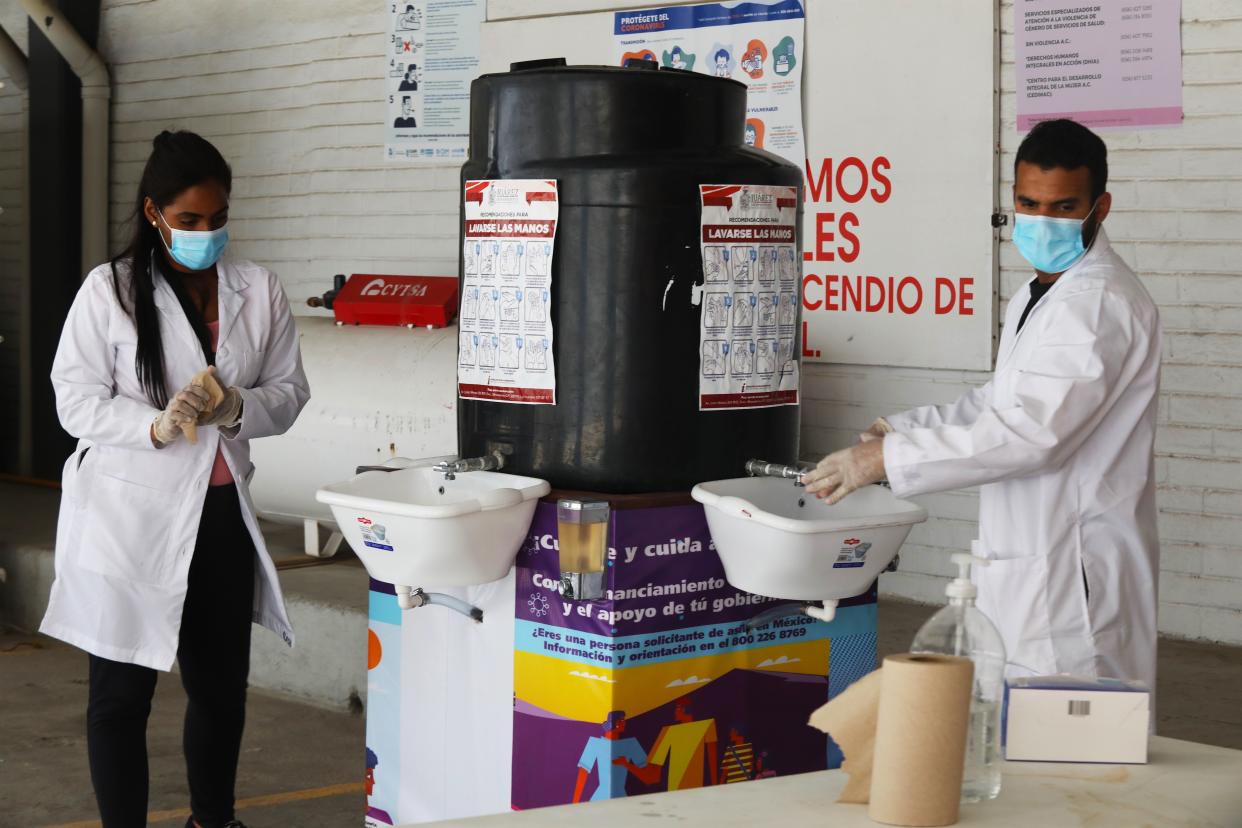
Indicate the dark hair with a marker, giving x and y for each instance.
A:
(1069, 145)
(723, 53)
(178, 161)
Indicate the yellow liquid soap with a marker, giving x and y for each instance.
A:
(582, 546)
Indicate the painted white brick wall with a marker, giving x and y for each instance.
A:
(294, 101)
(1177, 220)
(13, 107)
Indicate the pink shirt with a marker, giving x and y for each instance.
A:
(220, 474)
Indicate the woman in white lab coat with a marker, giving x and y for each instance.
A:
(158, 552)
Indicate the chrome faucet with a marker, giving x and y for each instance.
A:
(488, 462)
(762, 468)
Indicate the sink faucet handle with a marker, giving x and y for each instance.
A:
(762, 468)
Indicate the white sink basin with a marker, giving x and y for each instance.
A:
(414, 528)
(776, 540)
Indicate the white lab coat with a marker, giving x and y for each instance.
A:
(129, 513)
(1061, 440)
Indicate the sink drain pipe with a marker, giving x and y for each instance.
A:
(411, 598)
(811, 609)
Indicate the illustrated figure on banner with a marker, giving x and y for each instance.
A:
(742, 258)
(380, 817)
(409, 83)
(740, 762)
(743, 358)
(713, 358)
(406, 119)
(609, 756)
(743, 310)
(411, 20)
(467, 354)
(537, 258)
(789, 308)
(509, 352)
(537, 354)
(754, 133)
(716, 264)
(510, 305)
(687, 748)
(765, 362)
(767, 308)
(678, 59)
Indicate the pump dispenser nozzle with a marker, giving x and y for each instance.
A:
(962, 587)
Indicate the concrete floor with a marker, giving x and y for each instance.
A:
(301, 765)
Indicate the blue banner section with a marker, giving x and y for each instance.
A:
(620, 652)
(383, 607)
(650, 21)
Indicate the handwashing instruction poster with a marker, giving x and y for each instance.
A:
(505, 352)
(758, 43)
(1102, 64)
(432, 56)
(748, 327)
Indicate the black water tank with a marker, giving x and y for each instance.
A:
(629, 149)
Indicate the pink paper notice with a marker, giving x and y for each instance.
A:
(1106, 65)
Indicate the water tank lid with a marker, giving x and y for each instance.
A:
(541, 63)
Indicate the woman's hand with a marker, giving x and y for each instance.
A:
(185, 407)
(227, 412)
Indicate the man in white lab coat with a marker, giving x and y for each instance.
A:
(1061, 439)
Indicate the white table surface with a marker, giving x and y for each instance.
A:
(1183, 784)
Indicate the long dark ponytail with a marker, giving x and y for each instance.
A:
(178, 161)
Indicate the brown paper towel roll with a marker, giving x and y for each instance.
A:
(920, 739)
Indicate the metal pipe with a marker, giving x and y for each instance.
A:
(96, 94)
(762, 468)
(12, 59)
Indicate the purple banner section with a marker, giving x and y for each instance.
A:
(751, 724)
(648, 715)
(662, 574)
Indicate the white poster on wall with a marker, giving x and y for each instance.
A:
(432, 57)
(758, 43)
(748, 325)
(900, 185)
(505, 350)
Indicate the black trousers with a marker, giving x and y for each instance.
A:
(214, 656)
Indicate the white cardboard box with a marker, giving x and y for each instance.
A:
(1073, 719)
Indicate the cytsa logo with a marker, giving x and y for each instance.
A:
(378, 287)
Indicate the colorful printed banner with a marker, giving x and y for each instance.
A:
(660, 685)
(758, 43)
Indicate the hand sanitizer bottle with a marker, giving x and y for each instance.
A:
(961, 629)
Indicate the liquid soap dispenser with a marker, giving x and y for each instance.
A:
(960, 629)
(582, 530)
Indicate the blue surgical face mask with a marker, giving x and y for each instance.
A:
(1051, 245)
(195, 249)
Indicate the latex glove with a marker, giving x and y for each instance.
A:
(877, 431)
(225, 410)
(843, 471)
(183, 408)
